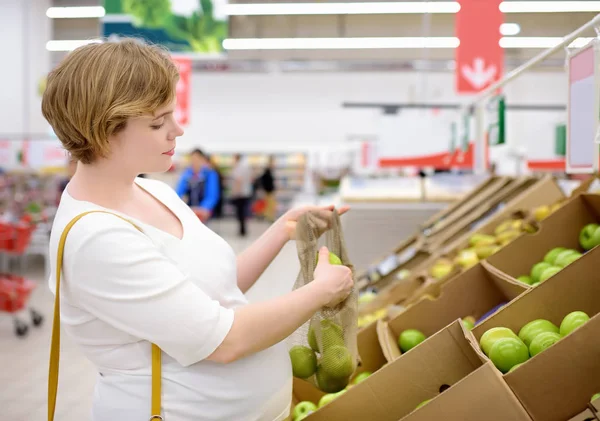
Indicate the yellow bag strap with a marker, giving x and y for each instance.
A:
(55, 342)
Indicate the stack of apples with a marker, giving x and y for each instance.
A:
(481, 246)
(367, 319)
(305, 408)
(560, 257)
(508, 351)
(554, 261)
(332, 370)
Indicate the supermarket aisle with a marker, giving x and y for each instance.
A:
(24, 374)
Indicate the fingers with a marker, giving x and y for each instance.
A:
(323, 255)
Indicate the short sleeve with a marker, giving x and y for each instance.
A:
(120, 276)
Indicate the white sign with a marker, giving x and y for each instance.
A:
(479, 75)
(582, 110)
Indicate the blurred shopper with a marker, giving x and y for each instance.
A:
(150, 295)
(218, 210)
(199, 185)
(241, 191)
(267, 182)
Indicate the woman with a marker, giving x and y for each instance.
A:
(199, 185)
(267, 181)
(175, 284)
(241, 191)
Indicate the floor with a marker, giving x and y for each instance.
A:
(24, 372)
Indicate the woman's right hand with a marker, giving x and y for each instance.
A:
(335, 281)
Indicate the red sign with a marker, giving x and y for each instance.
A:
(182, 111)
(479, 58)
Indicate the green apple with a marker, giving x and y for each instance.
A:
(304, 361)
(589, 237)
(572, 321)
(508, 352)
(567, 257)
(534, 328)
(596, 396)
(337, 363)
(526, 279)
(543, 341)
(425, 402)
(329, 384)
(361, 377)
(325, 399)
(550, 272)
(333, 259)
(492, 335)
(302, 409)
(468, 323)
(331, 335)
(366, 297)
(514, 367)
(550, 257)
(410, 338)
(537, 269)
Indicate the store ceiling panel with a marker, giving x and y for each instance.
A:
(352, 25)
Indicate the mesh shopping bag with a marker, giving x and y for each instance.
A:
(324, 350)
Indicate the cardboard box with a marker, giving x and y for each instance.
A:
(561, 229)
(447, 216)
(520, 193)
(474, 293)
(476, 389)
(398, 265)
(586, 415)
(557, 384)
(391, 263)
(545, 192)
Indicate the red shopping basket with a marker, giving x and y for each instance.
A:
(15, 238)
(14, 292)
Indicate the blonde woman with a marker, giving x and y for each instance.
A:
(175, 283)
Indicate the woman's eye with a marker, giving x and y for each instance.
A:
(156, 127)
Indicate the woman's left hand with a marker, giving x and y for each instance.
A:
(324, 214)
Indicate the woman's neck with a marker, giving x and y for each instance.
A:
(102, 183)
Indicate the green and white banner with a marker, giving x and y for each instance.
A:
(196, 27)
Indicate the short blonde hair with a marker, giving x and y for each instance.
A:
(98, 87)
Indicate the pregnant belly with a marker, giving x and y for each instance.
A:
(256, 388)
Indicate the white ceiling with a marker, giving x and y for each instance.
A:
(398, 25)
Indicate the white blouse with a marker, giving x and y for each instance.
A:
(123, 290)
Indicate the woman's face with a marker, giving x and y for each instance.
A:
(147, 143)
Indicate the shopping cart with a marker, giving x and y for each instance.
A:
(15, 290)
(14, 294)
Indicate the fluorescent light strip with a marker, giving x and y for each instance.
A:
(364, 8)
(69, 45)
(510, 29)
(385, 43)
(549, 6)
(539, 42)
(75, 12)
(338, 43)
(410, 7)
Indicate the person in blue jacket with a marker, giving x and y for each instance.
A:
(199, 185)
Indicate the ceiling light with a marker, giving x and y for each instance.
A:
(75, 12)
(69, 45)
(338, 43)
(509, 29)
(407, 7)
(363, 8)
(549, 6)
(539, 42)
